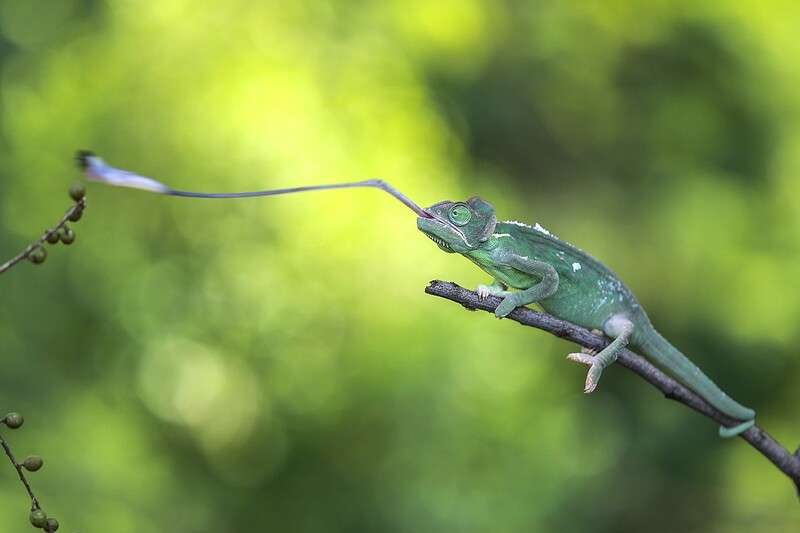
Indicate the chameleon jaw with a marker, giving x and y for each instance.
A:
(443, 245)
(427, 225)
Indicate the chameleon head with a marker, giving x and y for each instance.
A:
(459, 226)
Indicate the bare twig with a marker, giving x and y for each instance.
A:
(784, 460)
(18, 466)
(13, 421)
(74, 211)
(60, 231)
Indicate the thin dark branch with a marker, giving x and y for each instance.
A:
(74, 210)
(35, 505)
(18, 466)
(59, 231)
(784, 460)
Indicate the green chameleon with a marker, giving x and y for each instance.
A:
(566, 282)
(569, 284)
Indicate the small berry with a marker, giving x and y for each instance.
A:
(37, 255)
(52, 524)
(13, 420)
(77, 191)
(32, 463)
(66, 235)
(76, 215)
(52, 238)
(38, 518)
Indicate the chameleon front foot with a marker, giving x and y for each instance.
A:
(483, 291)
(497, 288)
(595, 369)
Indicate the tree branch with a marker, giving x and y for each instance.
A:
(73, 214)
(38, 517)
(36, 253)
(785, 461)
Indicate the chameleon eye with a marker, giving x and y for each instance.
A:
(459, 215)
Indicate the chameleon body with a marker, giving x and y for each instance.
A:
(569, 284)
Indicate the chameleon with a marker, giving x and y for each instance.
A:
(569, 284)
(543, 269)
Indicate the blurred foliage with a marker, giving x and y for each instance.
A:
(273, 364)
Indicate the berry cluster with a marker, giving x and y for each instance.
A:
(61, 232)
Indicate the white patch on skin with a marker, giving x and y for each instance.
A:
(517, 223)
(538, 227)
(576, 267)
(496, 235)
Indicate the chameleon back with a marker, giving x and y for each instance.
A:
(588, 291)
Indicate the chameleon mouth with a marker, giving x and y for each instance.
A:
(439, 241)
(428, 225)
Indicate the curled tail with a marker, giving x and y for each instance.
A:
(659, 350)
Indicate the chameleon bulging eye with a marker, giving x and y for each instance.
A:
(459, 215)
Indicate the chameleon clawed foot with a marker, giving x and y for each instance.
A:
(595, 370)
(498, 288)
(582, 358)
(483, 291)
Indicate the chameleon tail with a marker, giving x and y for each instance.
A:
(658, 349)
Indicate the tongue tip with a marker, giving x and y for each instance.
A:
(82, 158)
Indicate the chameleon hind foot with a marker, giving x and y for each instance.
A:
(595, 369)
(618, 327)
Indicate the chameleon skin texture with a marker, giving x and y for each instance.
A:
(567, 283)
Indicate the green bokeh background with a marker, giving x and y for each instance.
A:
(274, 365)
